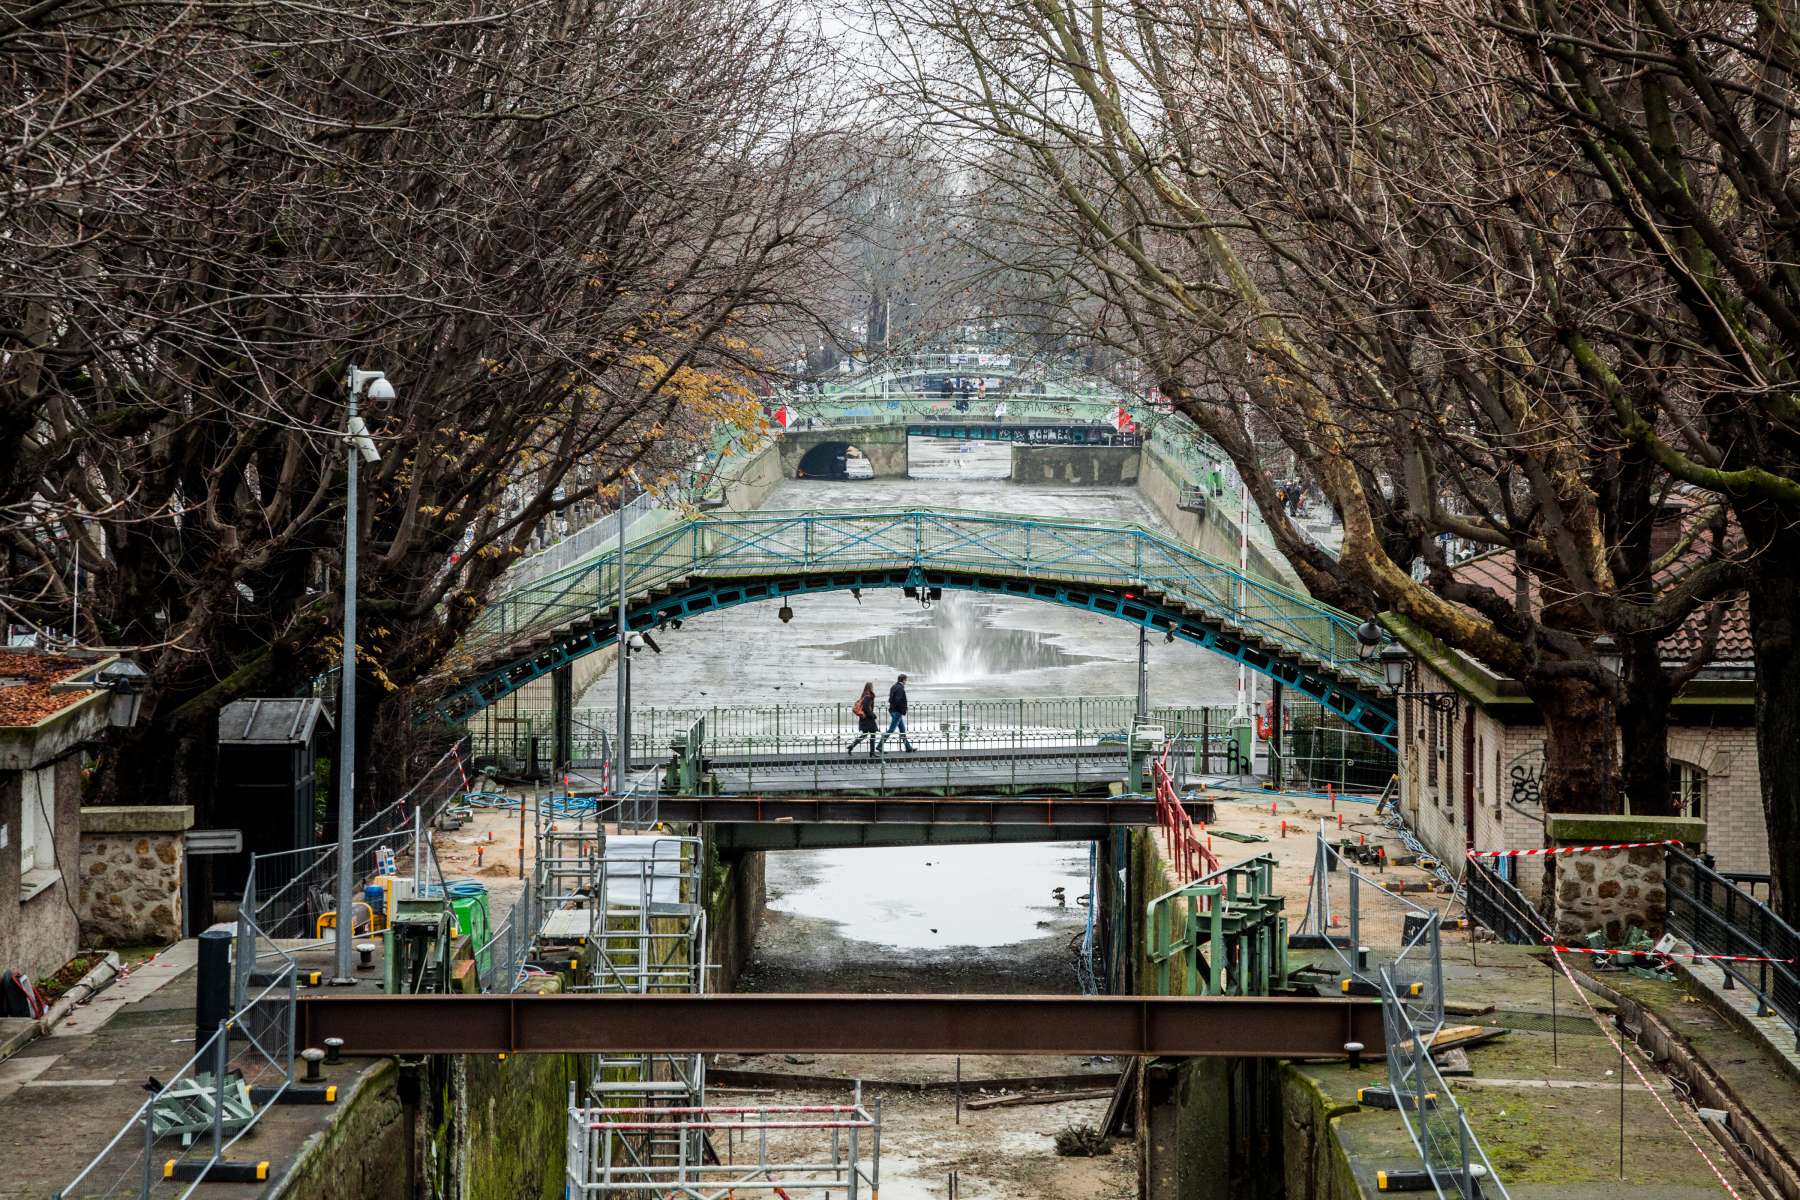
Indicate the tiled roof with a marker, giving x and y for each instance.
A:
(26, 678)
(1496, 573)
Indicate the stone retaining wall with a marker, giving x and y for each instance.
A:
(1612, 890)
(132, 864)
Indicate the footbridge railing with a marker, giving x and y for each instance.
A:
(825, 550)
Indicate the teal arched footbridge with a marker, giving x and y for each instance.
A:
(1116, 570)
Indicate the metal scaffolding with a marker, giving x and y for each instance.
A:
(721, 1152)
(648, 936)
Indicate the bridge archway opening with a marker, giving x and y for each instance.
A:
(828, 460)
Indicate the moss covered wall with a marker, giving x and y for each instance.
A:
(493, 1129)
(514, 1119)
(361, 1155)
(735, 900)
(1314, 1162)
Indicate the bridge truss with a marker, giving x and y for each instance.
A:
(1113, 569)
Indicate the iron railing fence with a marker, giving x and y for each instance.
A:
(1497, 904)
(599, 534)
(1318, 748)
(975, 721)
(1716, 917)
(1025, 754)
(1053, 550)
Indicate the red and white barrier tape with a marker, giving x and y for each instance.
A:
(1547, 850)
(1675, 954)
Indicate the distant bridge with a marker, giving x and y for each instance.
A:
(1113, 569)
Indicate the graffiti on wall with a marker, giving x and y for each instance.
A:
(1524, 778)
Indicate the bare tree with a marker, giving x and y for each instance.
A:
(1316, 228)
(563, 229)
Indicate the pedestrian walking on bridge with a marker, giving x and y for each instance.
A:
(896, 715)
(867, 726)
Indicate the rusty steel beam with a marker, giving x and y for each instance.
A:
(914, 810)
(1239, 1026)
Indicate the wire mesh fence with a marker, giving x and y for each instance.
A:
(191, 1121)
(501, 959)
(1439, 1127)
(1391, 946)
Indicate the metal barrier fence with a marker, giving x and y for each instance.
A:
(1716, 917)
(1452, 1154)
(500, 962)
(1407, 973)
(1322, 751)
(190, 1122)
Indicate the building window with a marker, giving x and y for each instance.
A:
(1431, 746)
(1687, 786)
(37, 821)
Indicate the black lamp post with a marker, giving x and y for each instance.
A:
(1398, 668)
(125, 680)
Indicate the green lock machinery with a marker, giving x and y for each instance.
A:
(421, 938)
(1225, 932)
(685, 774)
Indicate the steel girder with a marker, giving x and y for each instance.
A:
(1360, 706)
(1239, 1026)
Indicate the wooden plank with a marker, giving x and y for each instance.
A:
(1020, 1098)
(1121, 1114)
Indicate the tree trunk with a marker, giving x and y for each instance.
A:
(1643, 716)
(1774, 626)
(1581, 773)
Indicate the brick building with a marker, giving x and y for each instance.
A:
(1469, 777)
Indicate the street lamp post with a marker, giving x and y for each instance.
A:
(360, 447)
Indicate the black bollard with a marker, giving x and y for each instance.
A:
(212, 984)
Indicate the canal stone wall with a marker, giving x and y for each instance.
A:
(1089, 465)
(362, 1154)
(1215, 1128)
(1214, 531)
(736, 898)
(471, 1127)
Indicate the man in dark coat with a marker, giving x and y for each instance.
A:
(896, 715)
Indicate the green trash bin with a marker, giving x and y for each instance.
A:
(470, 902)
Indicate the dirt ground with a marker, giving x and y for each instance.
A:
(1380, 917)
(996, 1154)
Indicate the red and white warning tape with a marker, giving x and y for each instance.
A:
(1546, 850)
(1674, 954)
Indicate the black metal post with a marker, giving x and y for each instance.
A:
(212, 983)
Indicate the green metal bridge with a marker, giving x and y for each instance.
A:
(1113, 569)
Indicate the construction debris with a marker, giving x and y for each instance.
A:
(1012, 1099)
